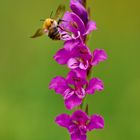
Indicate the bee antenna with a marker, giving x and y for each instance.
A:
(42, 19)
(51, 14)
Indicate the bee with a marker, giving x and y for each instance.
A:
(51, 25)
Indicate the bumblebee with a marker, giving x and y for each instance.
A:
(51, 25)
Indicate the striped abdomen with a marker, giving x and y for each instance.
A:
(54, 33)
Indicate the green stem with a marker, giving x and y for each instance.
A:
(89, 72)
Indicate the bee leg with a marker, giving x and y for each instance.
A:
(64, 29)
(67, 32)
(60, 20)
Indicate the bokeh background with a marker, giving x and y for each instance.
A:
(28, 107)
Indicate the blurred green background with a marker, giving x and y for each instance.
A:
(28, 107)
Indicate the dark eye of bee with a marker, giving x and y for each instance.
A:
(51, 21)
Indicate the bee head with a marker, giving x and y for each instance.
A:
(48, 23)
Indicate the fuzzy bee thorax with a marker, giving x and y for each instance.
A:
(49, 23)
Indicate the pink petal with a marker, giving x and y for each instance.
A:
(98, 56)
(72, 102)
(68, 93)
(96, 122)
(63, 120)
(91, 26)
(62, 56)
(58, 84)
(94, 84)
(73, 63)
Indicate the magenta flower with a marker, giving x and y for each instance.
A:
(79, 56)
(75, 57)
(76, 27)
(73, 88)
(73, 29)
(76, 24)
(79, 123)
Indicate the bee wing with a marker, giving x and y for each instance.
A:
(59, 12)
(39, 32)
